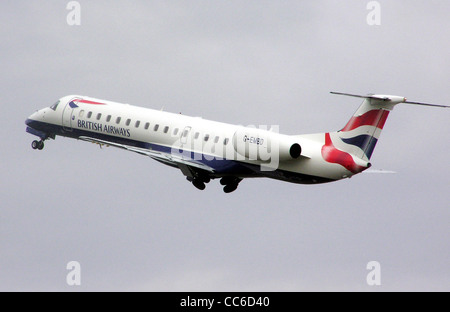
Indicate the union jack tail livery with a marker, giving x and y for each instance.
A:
(353, 145)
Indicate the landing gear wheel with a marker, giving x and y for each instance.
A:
(230, 183)
(34, 144)
(230, 187)
(37, 145)
(199, 184)
(229, 180)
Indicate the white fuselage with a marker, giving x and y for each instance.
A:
(217, 148)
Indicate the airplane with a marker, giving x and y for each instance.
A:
(204, 150)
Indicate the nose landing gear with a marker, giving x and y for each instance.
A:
(37, 144)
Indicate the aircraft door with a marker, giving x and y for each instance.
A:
(68, 115)
(184, 136)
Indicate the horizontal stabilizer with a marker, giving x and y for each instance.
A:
(379, 171)
(368, 96)
(390, 98)
(426, 104)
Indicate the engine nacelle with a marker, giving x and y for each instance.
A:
(263, 145)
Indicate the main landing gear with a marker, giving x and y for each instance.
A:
(37, 144)
(230, 183)
(199, 181)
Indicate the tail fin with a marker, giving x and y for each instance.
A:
(361, 133)
(353, 145)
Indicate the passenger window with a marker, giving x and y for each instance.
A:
(196, 135)
(216, 139)
(225, 142)
(127, 123)
(147, 124)
(175, 131)
(108, 118)
(81, 113)
(166, 129)
(206, 138)
(118, 120)
(99, 116)
(156, 127)
(89, 115)
(137, 124)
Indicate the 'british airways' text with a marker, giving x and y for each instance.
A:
(103, 128)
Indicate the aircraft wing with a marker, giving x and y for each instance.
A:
(186, 165)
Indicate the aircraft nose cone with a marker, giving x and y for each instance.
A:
(33, 118)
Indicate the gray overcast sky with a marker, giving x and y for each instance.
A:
(134, 224)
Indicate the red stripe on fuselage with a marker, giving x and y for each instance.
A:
(376, 118)
(89, 102)
(332, 155)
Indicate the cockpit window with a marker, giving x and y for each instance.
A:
(54, 106)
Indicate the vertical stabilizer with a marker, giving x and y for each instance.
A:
(361, 133)
(353, 145)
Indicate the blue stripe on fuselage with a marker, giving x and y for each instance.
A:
(222, 167)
